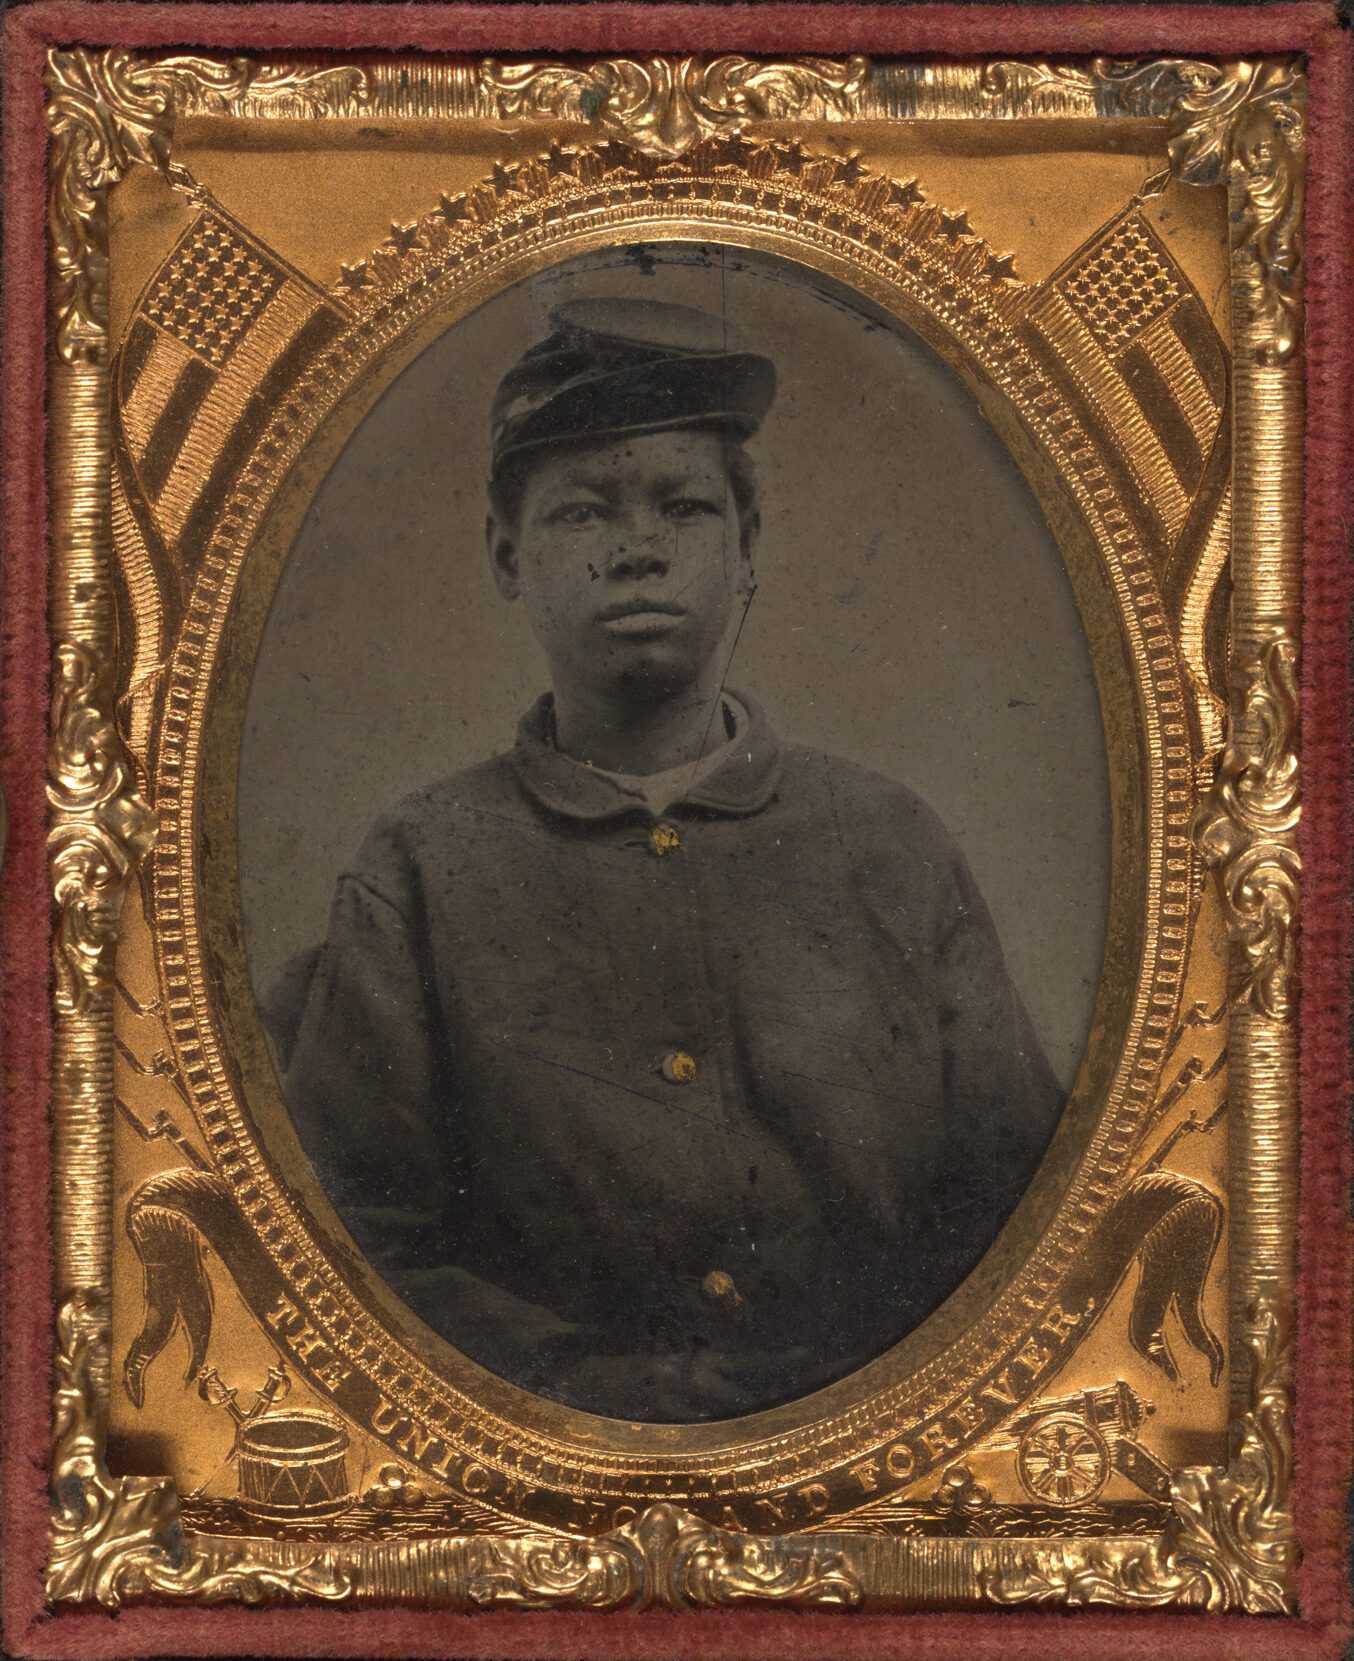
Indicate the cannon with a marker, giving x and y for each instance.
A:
(1066, 1446)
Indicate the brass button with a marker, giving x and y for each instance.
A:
(677, 1067)
(663, 839)
(718, 1286)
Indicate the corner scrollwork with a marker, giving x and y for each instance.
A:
(665, 1559)
(662, 107)
(110, 110)
(1230, 1544)
(102, 826)
(1240, 123)
(1245, 824)
(115, 1538)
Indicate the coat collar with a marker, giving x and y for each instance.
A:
(743, 783)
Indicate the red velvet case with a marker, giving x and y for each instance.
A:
(1323, 1445)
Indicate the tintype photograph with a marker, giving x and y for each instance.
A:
(672, 814)
(675, 922)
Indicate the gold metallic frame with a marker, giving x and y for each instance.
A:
(666, 145)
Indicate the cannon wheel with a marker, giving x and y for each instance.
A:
(1062, 1460)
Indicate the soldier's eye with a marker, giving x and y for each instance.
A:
(576, 513)
(690, 507)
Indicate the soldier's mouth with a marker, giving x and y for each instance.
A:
(641, 618)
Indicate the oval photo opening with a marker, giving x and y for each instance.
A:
(674, 834)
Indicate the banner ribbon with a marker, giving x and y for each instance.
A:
(1168, 1224)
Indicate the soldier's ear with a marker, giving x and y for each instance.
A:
(503, 562)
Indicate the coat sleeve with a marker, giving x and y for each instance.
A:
(369, 1083)
(373, 1094)
(1000, 1093)
(997, 1097)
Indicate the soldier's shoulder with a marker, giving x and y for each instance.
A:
(438, 811)
(481, 787)
(869, 802)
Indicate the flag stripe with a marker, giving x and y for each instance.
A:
(214, 421)
(162, 451)
(1195, 332)
(1163, 345)
(1145, 522)
(146, 609)
(139, 504)
(1151, 467)
(136, 348)
(323, 326)
(143, 404)
(1156, 394)
(1212, 484)
(1195, 609)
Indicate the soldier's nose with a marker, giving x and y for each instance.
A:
(639, 558)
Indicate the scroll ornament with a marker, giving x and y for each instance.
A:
(1245, 825)
(102, 827)
(1230, 1543)
(115, 1538)
(665, 1559)
(110, 110)
(1240, 124)
(663, 106)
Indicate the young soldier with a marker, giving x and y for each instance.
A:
(662, 1066)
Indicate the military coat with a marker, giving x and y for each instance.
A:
(670, 1119)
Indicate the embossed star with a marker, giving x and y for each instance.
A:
(904, 194)
(614, 154)
(354, 276)
(452, 208)
(1000, 267)
(559, 161)
(848, 171)
(792, 158)
(403, 238)
(955, 226)
(735, 150)
(502, 178)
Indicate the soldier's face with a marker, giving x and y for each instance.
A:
(630, 559)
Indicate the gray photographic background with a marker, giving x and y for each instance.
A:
(912, 613)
